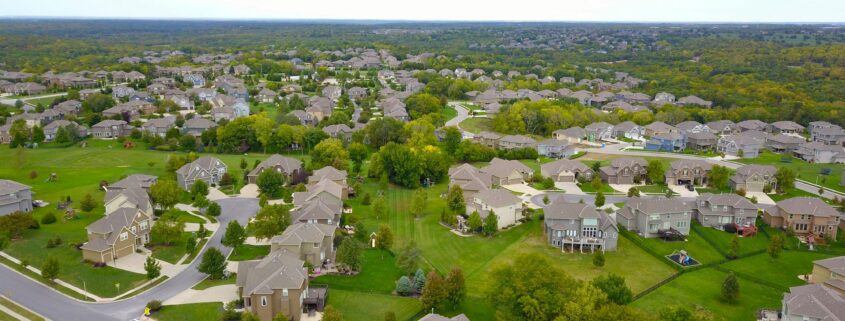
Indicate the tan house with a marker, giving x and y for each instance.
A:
(133, 197)
(470, 179)
(754, 178)
(718, 210)
(325, 190)
(566, 170)
(488, 139)
(330, 173)
(507, 172)
(313, 242)
(116, 235)
(278, 283)
(289, 167)
(830, 273)
(624, 170)
(804, 215)
(507, 207)
(688, 171)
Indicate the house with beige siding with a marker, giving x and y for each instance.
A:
(507, 172)
(566, 170)
(278, 283)
(688, 172)
(500, 202)
(754, 178)
(118, 234)
(312, 242)
(805, 216)
(206, 168)
(717, 210)
(624, 170)
(650, 217)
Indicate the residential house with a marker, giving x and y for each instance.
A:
(693, 101)
(579, 226)
(783, 144)
(819, 153)
(565, 170)
(68, 107)
(745, 144)
(663, 98)
(85, 93)
(331, 92)
(357, 93)
(470, 179)
(786, 127)
(159, 126)
(659, 128)
(135, 197)
(649, 217)
(723, 127)
(202, 94)
(52, 129)
(813, 302)
(573, 135)
(554, 148)
(197, 125)
(14, 197)
(118, 234)
(290, 168)
(599, 131)
(121, 91)
(500, 202)
(339, 131)
(804, 216)
(313, 242)
(624, 170)
(110, 129)
(703, 140)
(208, 169)
(688, 172)
(239, 107)
(267, 96)
(834, 136)
(278, 283)
(488, 139)
(830, 273)
(329, 173)
(629, 130)
(320, 210)
(717, 210)
(754, 178)
(670, 142)
(752, 124)
(133, 181)
(820, 124)
(691, 126)
(516, 142)
(507, 172)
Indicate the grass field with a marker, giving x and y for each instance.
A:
(248, 252)
(378, 275)
(171, 253)
(783, 271)
(196, 311)
(449, 112)
(19, 310)
(207, 283)
(359, 306)
(476, 125)
(723, 239)
(806, 171)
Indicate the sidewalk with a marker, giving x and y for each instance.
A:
(59, 282)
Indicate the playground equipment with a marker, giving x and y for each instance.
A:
(683, 258)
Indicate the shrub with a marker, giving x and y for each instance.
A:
(740, 192)
(33, 174)
(154, 305)
(48, 218)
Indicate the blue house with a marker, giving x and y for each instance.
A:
(669, 142)
(196, 79)
(554, 148)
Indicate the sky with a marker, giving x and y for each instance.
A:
(449, 10)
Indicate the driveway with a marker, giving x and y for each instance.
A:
(682, 190)
(762, 198)
(220, 293)
(56, 306)
(250, 190)
(570, 188)
(215, 194)
(463, 114)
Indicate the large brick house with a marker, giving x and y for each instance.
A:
(804, 215)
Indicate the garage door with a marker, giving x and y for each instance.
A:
(125, 251)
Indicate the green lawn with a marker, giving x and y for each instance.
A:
(45, 101)
(359, 306)
(248, 252)
(171, 253)
(696, 246)
(271, 110)
(723, 239)
(184, 312)
(449, 112)
(207, 283)
(477, 124)
(378, 275)
(704, 287)
(19, 310)
(186, 217)
(606, 189)
(806, 171)
(783, 271)
(653, 189)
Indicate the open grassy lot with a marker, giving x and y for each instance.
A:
(379, 275)
(703, 287)
(171, 253)
(248, 252)
(806, 171)
(783, 271)
(476, 125)
(196, 311)
(358, 306)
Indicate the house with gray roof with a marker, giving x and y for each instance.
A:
(278, 283)
(723, 127)
(566, 170)
(470, 179)
(579, 226)
(509, 142)
(339, 131)
(572, 135)
(834, 136)
(669, 142)
(325, 190)
(110, 128)
(688, 172)
(752, 124)
(52, 129)
(783, 144)
(312, 242)
(489, 139)
(703, 140)
(804, 215)
(120, 233)
(629, 130)
(507, 207)
(754, 178)
(649, 217)
(692, 126)
(658, 128)
(830, 272)
(554, 148)
(693, 101)
(159, 126)
(14, 197)
(820, 153)
(437, 317)
(507, 172)
(319, 210)
(718, 210)
(206, 168)
(131, 197)
(599, 131)
(786, 127)
(291, 168)
(744, 144)
(624, 170)
(133, 181)
(197, 125)
(813, 302)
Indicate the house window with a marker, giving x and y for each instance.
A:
(681, 224)
(590, 232)
(124, 236)
(653, 227)
(284, 292)
(316, 244)
(134, 229)
(247, 302)
(654, 217)
(144, 225)
(263, 301)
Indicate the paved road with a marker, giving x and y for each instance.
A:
(59, 307)
(11, 101)
(463, 114)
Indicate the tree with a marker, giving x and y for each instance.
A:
(213, 209)
(15, 224)
(329, 152)
(655, 171)
(191, 244)
(421, 104)
(270, 182)
(50, 268)
(455, 200)
(599, 199)
(349, 254)
(331, 314)
(474, 222)
(167, 230)
(530, 288)
(419, 280)
(633, 192)
(434, 292)
(357, 153)
(404, 286)
(718, 176)
(491, 224)
(384, 237)
(152, 267)
(279, 317)
(165, 193)
(614, 286)
(418, 202)
(199, 188)
(19, 134)
(730, 288)
(785, 178)
(213, 263)
(270, 221)
(455, 286)
(545, 199)
(379, 207)
(596, 183)
(775, 246)
(733, 251)
(452, 139)
(408, 258)
(235, 235)
(598, 259)
(88, 204)
(37, 134)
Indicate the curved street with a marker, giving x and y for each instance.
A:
(58, 307)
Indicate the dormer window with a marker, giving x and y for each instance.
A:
(284, 292)
(264, 300)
